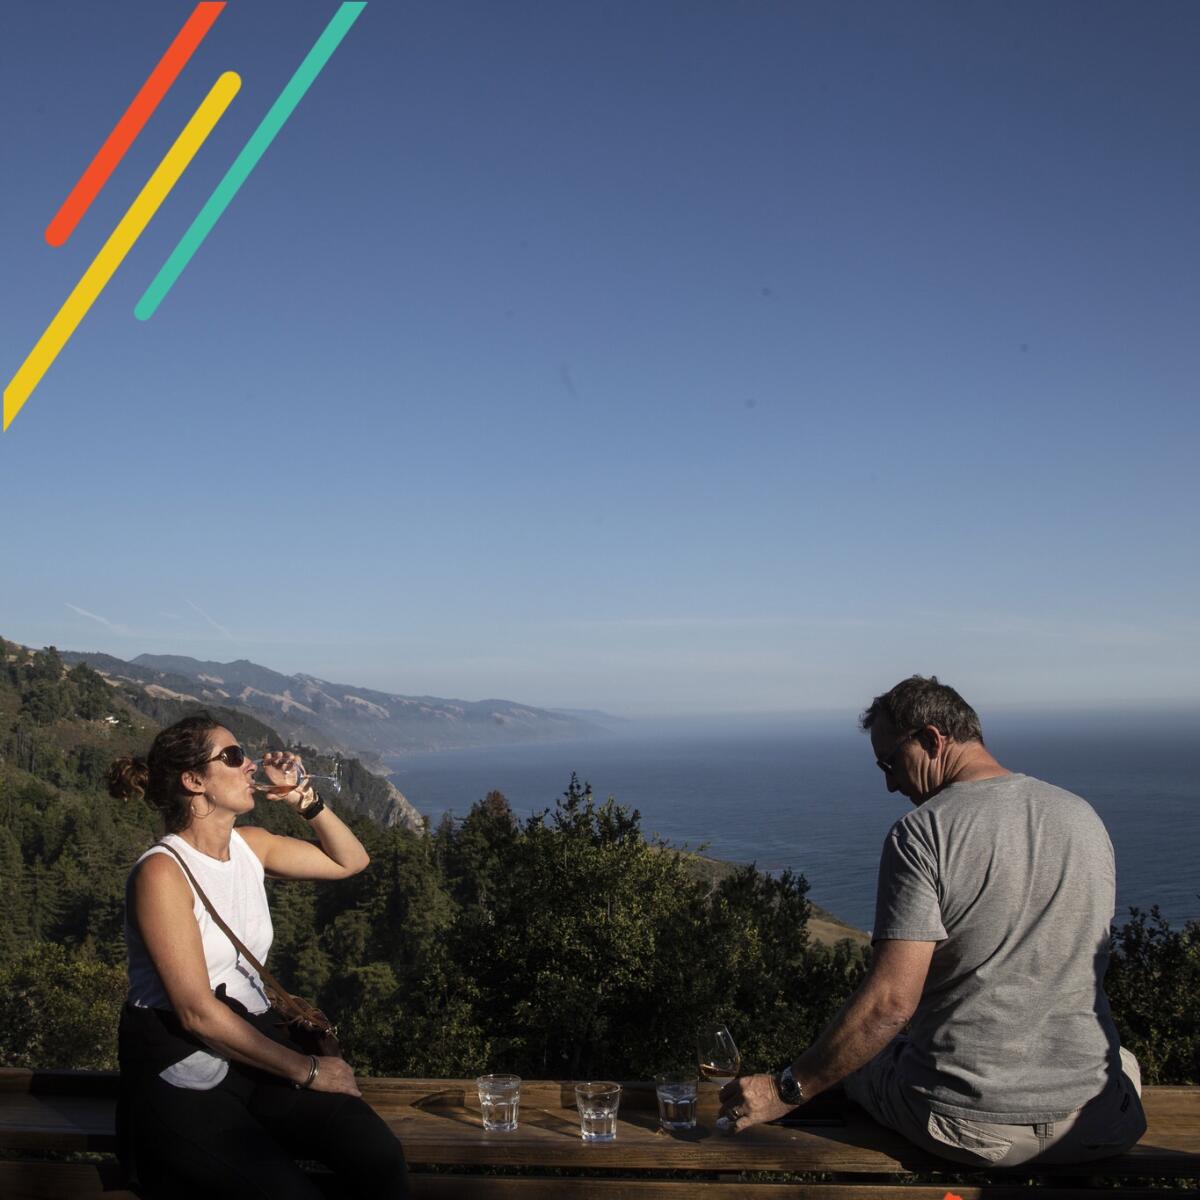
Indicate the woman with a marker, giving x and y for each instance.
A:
(215, 1099)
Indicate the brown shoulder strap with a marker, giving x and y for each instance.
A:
(268, 979)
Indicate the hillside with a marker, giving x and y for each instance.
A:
(62, 725)
(369, 724)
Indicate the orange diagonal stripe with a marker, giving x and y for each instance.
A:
(130, 125)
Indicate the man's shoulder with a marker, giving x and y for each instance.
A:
(1040, 791)
(1012, 801)
(1011, 785)
(914, 825)
(1031, 783)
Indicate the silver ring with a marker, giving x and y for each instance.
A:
(735, 1114)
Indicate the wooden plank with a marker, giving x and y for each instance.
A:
(62, 1181)
(438, 1122)
(551, 1138)
(56, 1122)
(75, 1083)
(85, 1181)
(493, 1187)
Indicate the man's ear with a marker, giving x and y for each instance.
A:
(932, 739)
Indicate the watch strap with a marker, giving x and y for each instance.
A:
(311, 810)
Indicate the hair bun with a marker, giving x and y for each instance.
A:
(127, 778)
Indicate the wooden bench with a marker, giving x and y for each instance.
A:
(65, 1112)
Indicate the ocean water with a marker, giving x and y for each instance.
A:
(805, 794)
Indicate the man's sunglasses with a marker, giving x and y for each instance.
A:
(888, 765)
(231, 756)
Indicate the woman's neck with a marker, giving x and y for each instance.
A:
(210, 835)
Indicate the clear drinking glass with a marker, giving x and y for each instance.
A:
(676, 1092)
(282, 781)
(499, 1101)
(597, 1104)
(717, 1054)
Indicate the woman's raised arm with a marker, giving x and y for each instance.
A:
(337, 854)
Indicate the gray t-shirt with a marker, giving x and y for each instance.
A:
(1015, 881)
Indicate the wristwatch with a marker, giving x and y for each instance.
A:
(311, 809)
(790, 1090)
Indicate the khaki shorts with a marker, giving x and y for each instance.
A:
(1110, 1124)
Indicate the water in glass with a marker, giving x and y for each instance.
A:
(499, 1102)
(597, 1124)
(676, 1102)
(597, 1104)
(499, 1113)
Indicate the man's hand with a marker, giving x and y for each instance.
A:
(750, 1100)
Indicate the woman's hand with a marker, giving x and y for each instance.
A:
(334, 1075)
(283, 768)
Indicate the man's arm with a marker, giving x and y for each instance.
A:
(879, 1009)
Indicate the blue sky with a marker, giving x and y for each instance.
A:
(660, 357)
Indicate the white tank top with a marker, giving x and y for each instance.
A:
(235, 889)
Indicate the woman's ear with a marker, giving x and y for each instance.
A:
(193, 782)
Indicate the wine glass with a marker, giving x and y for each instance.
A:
(717, 1054)
(294, 778)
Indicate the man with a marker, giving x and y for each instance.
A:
(990, 943)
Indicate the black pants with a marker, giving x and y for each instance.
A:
(240, 1141)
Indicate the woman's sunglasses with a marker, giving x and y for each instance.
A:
(231, 756)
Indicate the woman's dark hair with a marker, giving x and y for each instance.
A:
(184, 746)
(916, 702)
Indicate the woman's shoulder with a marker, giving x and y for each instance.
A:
(158, 870)
(157, 853)
(165, 850)
(251, 835)
(253, 840)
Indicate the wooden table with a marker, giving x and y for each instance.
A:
(439, 1124)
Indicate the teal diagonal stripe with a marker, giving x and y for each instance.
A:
(247, 160)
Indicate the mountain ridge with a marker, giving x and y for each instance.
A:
(63, 724)
(371, 724)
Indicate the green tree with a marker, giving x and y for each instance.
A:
(59, 1010)
(567, 950)
(15, 925)
(44, 901)
(474, 856)
(1152, 984)
(90, 695)
(46, 665)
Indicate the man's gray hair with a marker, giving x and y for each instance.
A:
(916, 702)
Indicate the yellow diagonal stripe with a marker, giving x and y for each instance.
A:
(119, 243)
